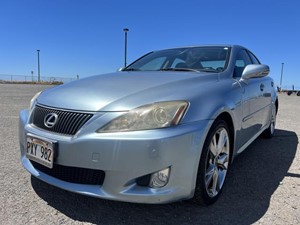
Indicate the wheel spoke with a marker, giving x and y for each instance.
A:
(222, 141)
(209, 175)
(221, 178)
(215, 181)
(213, 146)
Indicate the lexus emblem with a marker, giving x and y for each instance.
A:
(50, 120)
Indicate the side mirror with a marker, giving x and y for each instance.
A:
(255, 71)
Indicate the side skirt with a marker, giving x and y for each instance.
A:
(241, 149)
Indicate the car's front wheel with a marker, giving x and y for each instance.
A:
(214, 163)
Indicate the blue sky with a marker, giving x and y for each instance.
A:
(87, 38)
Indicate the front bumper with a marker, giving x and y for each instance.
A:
(124, 157)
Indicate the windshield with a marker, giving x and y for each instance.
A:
(207, 59)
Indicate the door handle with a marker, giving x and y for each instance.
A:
(262, 86)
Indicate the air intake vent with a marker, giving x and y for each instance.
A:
(73, 174)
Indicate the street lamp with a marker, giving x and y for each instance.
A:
(39, 72)
(281, 76)
(125, 56)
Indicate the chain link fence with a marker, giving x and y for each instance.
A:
(9, 78)
(291, 87)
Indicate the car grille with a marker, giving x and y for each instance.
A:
(68, 123)
(72, 174)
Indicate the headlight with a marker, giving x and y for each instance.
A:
(156, 115)
(33, 100)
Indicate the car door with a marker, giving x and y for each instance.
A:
(252, 99)
(266, 85)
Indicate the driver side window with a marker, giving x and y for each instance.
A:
(242, 60)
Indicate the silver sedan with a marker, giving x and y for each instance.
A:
(165, 128)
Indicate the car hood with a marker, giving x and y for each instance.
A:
(122, 91)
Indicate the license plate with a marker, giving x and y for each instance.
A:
(40, 151)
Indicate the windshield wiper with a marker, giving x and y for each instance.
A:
(179, 69)
(131, 69)
(208, 70)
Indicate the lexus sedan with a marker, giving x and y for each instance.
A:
(165, 128)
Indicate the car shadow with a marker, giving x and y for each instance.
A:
(253, 178)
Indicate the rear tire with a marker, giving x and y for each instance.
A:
(269, 132)
(214, 164)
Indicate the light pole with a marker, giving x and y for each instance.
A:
(281, 76)
(39, 72)
(125, 55)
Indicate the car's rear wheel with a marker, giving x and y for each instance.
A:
(214, 163)
(269, 132)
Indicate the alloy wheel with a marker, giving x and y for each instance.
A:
(217, 162)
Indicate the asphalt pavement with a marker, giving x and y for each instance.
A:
(263, 184)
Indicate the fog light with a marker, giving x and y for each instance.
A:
(160, 178)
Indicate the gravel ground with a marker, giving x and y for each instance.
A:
(263, 185)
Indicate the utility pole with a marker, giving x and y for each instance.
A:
(125, 55)
(282, 64)
(39, 71)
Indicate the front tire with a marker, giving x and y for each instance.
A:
(214, 163)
